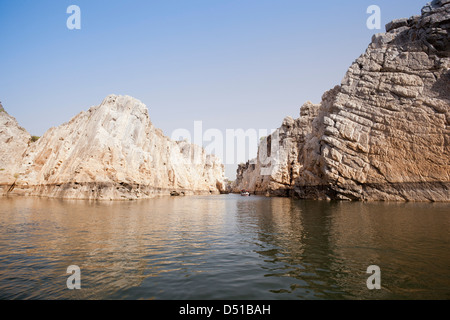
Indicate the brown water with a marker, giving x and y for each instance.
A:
(223, 247)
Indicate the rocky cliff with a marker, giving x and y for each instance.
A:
(14, 140)
(382, 134)
(110, 152)
(280, 156)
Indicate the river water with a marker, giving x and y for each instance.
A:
(223, 247)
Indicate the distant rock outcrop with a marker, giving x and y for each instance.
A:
(382, 134)
(111, 152)
(279, 157)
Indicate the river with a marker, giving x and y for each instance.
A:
(223, 247)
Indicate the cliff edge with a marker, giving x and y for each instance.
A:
(381, 135)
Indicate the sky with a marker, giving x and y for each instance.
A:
(232, 64)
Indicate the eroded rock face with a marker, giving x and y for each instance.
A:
(383, 134)
(113, 152)
(14, 140)
(280, 157)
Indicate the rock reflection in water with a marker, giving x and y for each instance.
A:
(222, 247)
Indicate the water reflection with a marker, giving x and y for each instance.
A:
(223, 247)
(324, 249)
(410, 242)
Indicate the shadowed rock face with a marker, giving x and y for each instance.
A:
(383, 133)
(113, 152)
(266, 176)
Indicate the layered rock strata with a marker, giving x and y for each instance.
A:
(111, 152)
(383, 133)
(280, 155)
(14, 140)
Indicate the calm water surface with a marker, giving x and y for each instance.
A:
(223, 247)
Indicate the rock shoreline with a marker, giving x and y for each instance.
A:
(95, 191)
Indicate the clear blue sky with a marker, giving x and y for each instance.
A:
(230, 63)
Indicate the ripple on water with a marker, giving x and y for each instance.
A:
(223, 247)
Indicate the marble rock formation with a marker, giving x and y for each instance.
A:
(14, 140)
(110, 152)
(382, 134)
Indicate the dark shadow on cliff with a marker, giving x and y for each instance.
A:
(442, 86)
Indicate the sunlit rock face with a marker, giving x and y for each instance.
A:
(14, 140)
(280, 157)
(383, 133)
(113, 152)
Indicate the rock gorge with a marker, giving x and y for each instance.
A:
(110, 152)
(382, 135)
